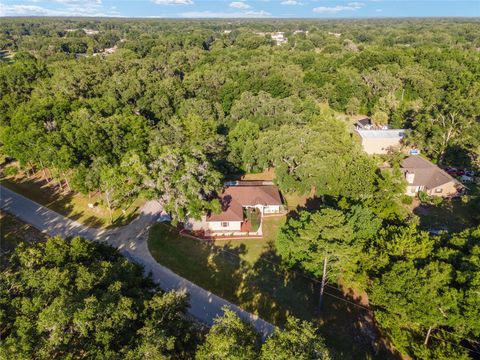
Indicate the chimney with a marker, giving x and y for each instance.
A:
(410, 176)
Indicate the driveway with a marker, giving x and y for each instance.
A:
(131, 240)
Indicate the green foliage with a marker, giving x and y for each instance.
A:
(229, 338)
(71, 299)
(407, 200)
(10, 170)
(424, 198)
(299, 340)
(330, 234)
(180, 105)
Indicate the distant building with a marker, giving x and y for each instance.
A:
(279, 38)
(237, 201)
(91, 31)
(422, 175)
(380, 141)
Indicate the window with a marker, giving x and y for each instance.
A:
(438, 190)
(224, 224)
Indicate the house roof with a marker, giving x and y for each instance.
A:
(426, 173)
(234, 198)
(363, 122)
(382, 134)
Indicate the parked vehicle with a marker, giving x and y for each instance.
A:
(466, 179)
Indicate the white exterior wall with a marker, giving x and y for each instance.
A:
(217, 226)
(413, 190)
(271, 209)
(203, 224)
(379, 146)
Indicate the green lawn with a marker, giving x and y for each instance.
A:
(72, 205)
(453, 215)
(248, 273)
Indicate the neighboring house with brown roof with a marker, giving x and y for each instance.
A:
(422, 175)
(236, 202)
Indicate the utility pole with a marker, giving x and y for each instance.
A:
(428, 335)
(324, 282)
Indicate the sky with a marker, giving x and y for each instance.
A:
(242, 9)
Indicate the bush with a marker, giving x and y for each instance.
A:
(465, 199)
(407, 200)
(424, 198)
(10, 171)
(436, 200)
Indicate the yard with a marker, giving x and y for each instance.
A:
(72, 205)
(452, 215)
(249, 273)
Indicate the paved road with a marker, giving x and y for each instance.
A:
(131, 240)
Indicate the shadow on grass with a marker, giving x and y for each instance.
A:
(451, 215)
(64, 203)
(265, 287)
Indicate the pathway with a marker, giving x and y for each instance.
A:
(131, 240)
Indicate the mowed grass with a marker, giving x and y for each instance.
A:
(249, 273)
(72, 205)
(453, 215)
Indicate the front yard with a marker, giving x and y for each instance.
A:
(451, 215)
(249, 273)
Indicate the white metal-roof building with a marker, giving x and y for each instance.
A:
(380, 141)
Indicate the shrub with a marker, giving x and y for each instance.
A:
(10, 171)
(436, 200)
(407, 200)
(424, 198)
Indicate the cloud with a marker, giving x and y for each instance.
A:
(239, 5)
(228, 15)
(70, 8)
(352, 6)
(23, 10)
(290, 2)
(378, 10)
(173, 2)
(79, 2)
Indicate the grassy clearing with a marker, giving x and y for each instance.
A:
(249, 273)
(71, 205)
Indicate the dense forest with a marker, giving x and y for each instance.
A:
(76, 299)
(170, 109)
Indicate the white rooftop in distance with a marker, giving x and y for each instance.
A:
(382, 134)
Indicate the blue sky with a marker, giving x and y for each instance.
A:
(241, 9)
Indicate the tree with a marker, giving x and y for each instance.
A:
(241, 141)
(228, 339)
(380, 118)
(353, 106)
(184, 182)
(417, 298)
(318, 242)
(76, 298)
(299, 340)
